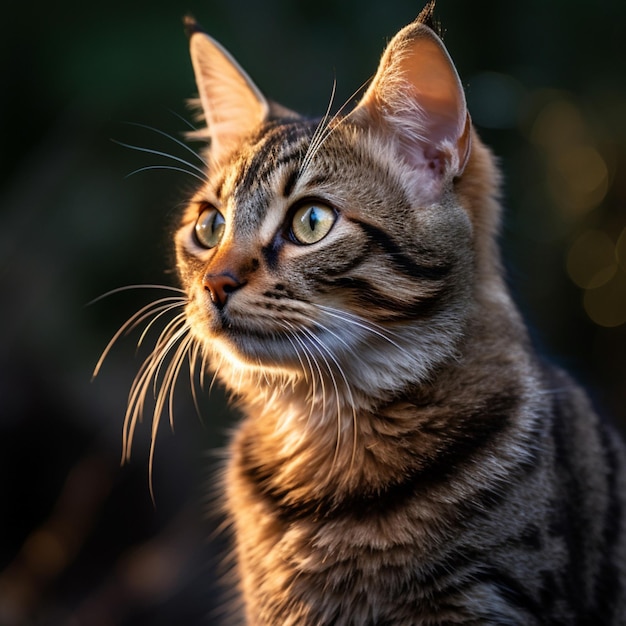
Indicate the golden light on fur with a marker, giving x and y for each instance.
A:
(404, 457)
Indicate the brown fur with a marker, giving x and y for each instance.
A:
(405, 457)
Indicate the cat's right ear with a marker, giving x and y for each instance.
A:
(232, 104)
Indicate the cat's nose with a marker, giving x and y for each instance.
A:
(220, 286)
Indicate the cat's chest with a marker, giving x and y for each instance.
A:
(383, 568)
(307, 513)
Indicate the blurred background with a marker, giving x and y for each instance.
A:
(81, 541)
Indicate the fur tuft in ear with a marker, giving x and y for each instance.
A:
(417, 99)
(231, 103)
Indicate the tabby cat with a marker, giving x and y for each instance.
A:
(405, 457)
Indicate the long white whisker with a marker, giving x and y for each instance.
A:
(174, 329)
(345, 380)
(171, 138)
(166, 391)
(321, 349)
(160, 153)
(193, 357)
(326, 128)
(183, 119)
(295, 349)
(148, 373)
(158, 313)
(217, 369)
(309, 357)
(151, 365)
(165, 167)
(375, 329)
(169, 379)
(292, 336)
(131, 323)
(319, 131)
(308, 354)
(131, 287)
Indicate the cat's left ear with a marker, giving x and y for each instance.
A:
(232, 104)
(417, 97)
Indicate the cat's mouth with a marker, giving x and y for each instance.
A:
(264, 348)
(252, 339)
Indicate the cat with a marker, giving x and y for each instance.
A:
(405, 457)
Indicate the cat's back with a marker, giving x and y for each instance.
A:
(588, 459)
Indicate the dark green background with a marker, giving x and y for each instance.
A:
(81, 539)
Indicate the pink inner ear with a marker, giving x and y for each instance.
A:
(435, 161)
(417, 95)
(435, 86)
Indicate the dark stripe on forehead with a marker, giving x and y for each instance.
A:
(277, 147)
(290, 182)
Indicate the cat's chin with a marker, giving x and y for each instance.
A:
(256, 352)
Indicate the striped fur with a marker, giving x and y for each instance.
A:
(405, 458)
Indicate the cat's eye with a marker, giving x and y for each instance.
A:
(312, 222)
(209, 227)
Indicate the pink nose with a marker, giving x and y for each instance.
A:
(220, 286)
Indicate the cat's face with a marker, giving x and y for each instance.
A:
(330, 248)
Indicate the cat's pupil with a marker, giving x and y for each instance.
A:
(313, 219)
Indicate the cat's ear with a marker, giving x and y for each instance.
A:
(232, 104)
(417, 97)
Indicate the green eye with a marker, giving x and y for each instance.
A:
(312, 222)
(210, 227)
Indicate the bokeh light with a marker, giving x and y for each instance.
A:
(606, 305)
(71, 228)
(577, 175)
(591, 260)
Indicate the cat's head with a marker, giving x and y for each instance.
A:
(342, 251)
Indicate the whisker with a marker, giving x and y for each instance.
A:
(146, 378)
(217, 369)
(345, 380)
(172, 373)
(326, 127)
(183, 119)
(316, 343)
(174, 328)
(308, 352)
(312, 149)
(171, 137)
(203, 368)
(130, 324)
(130, 287)
(166, 155)
(376, 329)
(297, 353)
(165, 167)
(194, 357)
(151, 365)
(291, 337)
(161, 369)
(310, 358)
(160, 312)
(166, 391)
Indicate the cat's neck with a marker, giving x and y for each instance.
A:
(346, 446)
